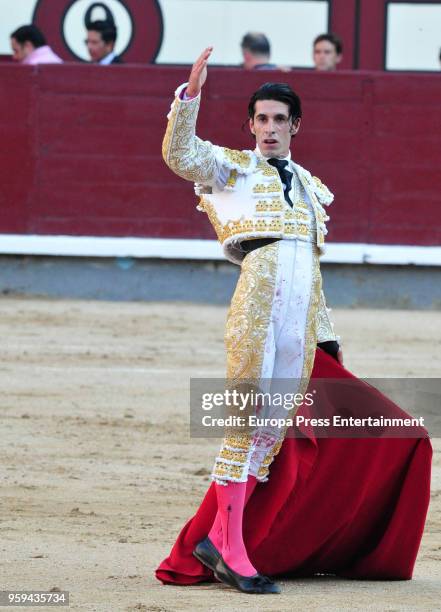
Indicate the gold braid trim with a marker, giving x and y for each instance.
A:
(208, 207)
(245, 336)
(249, 313)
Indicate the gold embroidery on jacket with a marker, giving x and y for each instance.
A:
(301, 216)
(269, 206)
(272, 187)
(208, 207)
(240, 158)
(266, 169)
(195, 160)
(184, 152)
(299, 229)
(321, 185)
(302, 204)
(232, 178)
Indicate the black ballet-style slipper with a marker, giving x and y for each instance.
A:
(207, 553)
(247, 584)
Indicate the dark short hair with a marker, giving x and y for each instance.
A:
(107, 29)
(256, 42)
(29, 33)
(281, 92)
(332, 38)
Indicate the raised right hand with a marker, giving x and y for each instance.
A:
(198, 74)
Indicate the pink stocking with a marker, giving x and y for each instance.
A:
(231, 500)
(215, 534)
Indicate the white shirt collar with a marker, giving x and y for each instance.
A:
(108, 59)
(258, 152)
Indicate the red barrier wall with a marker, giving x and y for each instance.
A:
(81, 150)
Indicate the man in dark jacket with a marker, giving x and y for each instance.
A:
(100, 41)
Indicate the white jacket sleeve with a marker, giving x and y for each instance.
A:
(187, 155)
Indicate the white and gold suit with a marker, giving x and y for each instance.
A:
(278, 311)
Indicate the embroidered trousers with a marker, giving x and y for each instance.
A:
(270, 337)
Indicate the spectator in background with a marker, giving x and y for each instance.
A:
(327, 52)
(100, 41)
(256, 52)
(29, 47)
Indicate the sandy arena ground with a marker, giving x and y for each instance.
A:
(99, 474)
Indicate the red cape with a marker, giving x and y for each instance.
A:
(344, 506)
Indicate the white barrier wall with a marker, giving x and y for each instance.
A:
(194, 24)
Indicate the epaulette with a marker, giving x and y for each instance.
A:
(323, 194)
(242, 161)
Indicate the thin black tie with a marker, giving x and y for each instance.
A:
(285, 176)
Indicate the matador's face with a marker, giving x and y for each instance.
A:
(273, 127)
